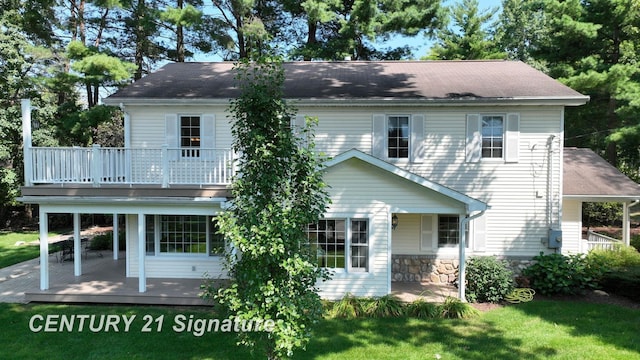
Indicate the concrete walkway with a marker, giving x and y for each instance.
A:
(17, 279)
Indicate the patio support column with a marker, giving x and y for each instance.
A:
(462, 244)
(77, 251)
(44, 249)
(142, 276)
(116, 242)
(626, 224)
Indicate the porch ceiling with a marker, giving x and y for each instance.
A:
(588, 177)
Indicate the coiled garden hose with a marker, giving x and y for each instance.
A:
(520, 295)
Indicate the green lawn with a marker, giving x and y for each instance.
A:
(10, 253)
(536, 330)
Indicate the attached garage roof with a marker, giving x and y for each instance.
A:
(428, 81)
(589, 176)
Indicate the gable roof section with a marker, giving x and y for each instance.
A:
(587, 175)
(471, 203)
(410, 81)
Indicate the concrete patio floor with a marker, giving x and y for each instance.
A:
(103, 281)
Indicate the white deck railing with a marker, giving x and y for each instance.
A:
(595, 240)
(98, 166)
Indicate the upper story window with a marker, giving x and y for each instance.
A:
(492, 136)
(190, 136)
(398, 137)
(340, 243)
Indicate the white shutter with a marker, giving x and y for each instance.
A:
(171, 130)
(417, 139)
(474, 138)
(428, 240)
(379, 138)
(297, 127)
(171, 135)
(479, 233)
(208, 136)
(512, 138)
(208, 131)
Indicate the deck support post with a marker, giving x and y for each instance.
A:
(142, 276)
(44, 249)
(77, 251)
(116, 241)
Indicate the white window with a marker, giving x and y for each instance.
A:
(398, 137)
(183, 234)
(442, 231)
(449, 231)
(340, 243)
(492, 136)
(190, 136)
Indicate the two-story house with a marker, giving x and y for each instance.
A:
(424, 156)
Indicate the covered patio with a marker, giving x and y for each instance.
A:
(587, 177)
(103, 281)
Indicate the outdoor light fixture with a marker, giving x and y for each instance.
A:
(394, 221)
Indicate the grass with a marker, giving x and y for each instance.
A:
(10, 253)
(535, 330)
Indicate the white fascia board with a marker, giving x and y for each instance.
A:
(602, 198)
(512, 101)
(471, 203)
(164, 102)
(346, 102)
(70, 200)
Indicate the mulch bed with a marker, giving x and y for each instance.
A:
(597, 297)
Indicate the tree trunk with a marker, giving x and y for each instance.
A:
(312, 40)
(180, 37)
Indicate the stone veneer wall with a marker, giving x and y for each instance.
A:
(427, 268)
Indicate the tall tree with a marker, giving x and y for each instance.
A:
(279, 193)
(592, 47)
(23, 67)
(340, 29)
(243, 23)
(520, 26)
(468, 37)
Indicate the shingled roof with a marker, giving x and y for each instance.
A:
(427, 81)
(587, 175)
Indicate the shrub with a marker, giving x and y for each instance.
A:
(635, 241)
(105, 241)
(564, 274)
(423, 310)
(453, 308)
(102, 241)
(488, 279)
(624, 282)
(623, 256)
(384, 306)
(349, 307)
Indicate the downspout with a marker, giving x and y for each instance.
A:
(626, 230)
(461, 248)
